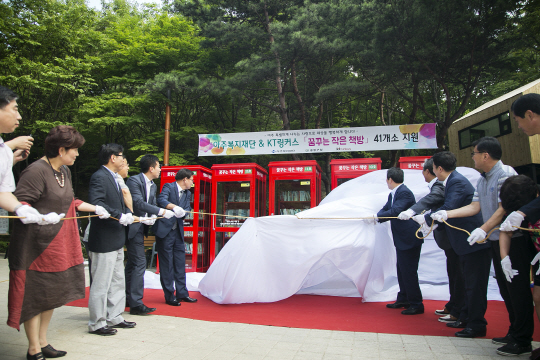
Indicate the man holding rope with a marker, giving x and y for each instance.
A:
(408, 246)
(433, 201)
(9, 121)
(513, 284)
(475, 260)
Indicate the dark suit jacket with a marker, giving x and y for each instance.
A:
(137, 187)
(532, 211)
(433, 201)
(459, 192)
(169, 195)
(403, 231)
(106, 235)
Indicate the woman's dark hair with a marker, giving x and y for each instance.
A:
(446, 160)
(524, 103)
(6, 96)
(489, 145)
(62, 136)
(517, 191)
(395, 174)
(183, 173)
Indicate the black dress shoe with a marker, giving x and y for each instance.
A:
(38, 356)
(104, 331)
(125, 325)
(413, 311)
(470, 333)
(50, 352)
(457, 324)
(141, 310)
(173, 302)
(187, 299)
(398, 305)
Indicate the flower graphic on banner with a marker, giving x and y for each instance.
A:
(210, 142)
(427, 134)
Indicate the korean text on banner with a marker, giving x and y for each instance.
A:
(396, 137)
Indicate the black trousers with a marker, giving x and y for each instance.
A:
(135, 268)
(456, 284)
(172, 265)
(475, 267)
(517, 294)
(407, 274)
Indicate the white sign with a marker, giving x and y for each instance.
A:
(370, 138)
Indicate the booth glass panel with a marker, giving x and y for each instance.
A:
(233, 201)
(292, 196)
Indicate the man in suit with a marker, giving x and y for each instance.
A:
(143, 193)
(475, 260)
(433, 201)
(408, 246)
(106, 241)
(170, 244)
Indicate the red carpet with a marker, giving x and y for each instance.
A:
(324, 312)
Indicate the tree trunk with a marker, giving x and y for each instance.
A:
(281, 95)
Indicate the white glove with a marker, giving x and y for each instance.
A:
(168, 214)
(51, 219)
(477, 235)
(148, 220)
(406, 215)
(103, 214)
(514, 219)
(507, 268)
(372, 220)
(31, 215)
(535, 260)
(126, 219)
(179, 212)
(440, 215)
(425, 230)
(420, 219)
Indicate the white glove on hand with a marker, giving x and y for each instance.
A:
(51, 219)
(168, 214)
(427, 228)
(126, 219)
(535, 260)
(148, 220)
(179, 212)
(514, 219)
(31, 215)
(103, 214)
(372, 220)
(440, 215)
(419, 219)
(477, 235)
(507, 268)
(406, 215)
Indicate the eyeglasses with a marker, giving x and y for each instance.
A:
(476, 152)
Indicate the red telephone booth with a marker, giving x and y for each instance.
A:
(412, 162)
(344, 170)
(238, 192)
(196, 226)
(294, 186)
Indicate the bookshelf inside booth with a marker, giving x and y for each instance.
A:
(295, 186)
(344, 170)
(238, 192)
(197, 226)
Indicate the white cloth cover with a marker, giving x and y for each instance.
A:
(271, 258)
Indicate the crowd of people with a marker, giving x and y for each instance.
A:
(501, 197)
(46, 262)
(45, 256)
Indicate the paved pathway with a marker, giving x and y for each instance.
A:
(165, 337)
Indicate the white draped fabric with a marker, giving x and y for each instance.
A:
(271, 258)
